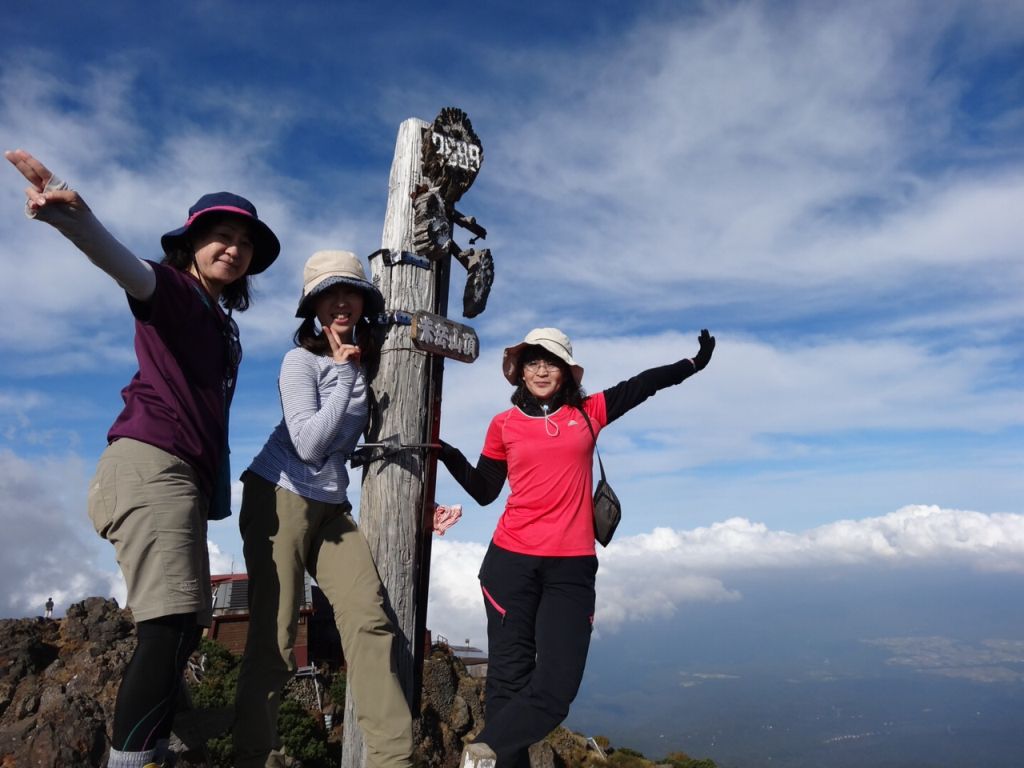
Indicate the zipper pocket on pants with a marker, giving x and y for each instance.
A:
(494, 603)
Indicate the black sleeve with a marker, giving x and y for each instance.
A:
(628, 394)
(483, 482)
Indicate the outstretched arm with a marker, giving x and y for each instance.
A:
(483, 482)
(630, 393)
(52, 201)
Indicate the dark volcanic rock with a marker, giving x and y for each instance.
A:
(451, 710)
(97, 623)
(58, 682)
(27, 647)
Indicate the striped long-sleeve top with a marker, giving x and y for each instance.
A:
(326, 407)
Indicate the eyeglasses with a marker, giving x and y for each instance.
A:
(536, 366)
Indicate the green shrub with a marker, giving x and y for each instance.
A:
(683, 760)
(302, 736)
(337, 688)
(220, 677)
(301, 732)
(626, 751)
(627, 758)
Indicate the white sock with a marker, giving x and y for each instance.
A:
(119, 759)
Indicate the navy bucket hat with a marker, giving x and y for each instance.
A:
(266, 246)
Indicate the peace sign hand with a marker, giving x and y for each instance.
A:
(340, 351)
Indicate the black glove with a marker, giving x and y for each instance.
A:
(447, 452)
(707, 346)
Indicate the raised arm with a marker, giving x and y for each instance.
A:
(483, 482)
(51, 200)
(630, 393)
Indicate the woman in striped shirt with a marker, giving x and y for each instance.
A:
(296, 517)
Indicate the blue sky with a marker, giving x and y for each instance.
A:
(834, 190)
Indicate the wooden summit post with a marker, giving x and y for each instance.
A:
(434, 164)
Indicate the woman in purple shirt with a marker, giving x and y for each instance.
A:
(164, 472)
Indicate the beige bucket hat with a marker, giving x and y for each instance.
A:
(325, 269)
(551, 339)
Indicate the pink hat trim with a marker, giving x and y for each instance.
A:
(228, 208)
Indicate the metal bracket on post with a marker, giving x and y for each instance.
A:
(392, 317)
(392, 258)
(364, 453)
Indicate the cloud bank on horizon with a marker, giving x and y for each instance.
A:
(834, 191)
(650, 577)
(51, 551)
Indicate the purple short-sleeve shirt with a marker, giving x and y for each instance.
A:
(178, 399)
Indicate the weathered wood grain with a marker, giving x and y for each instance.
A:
(391, 501)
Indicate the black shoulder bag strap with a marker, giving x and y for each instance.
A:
(607, 510)
(599, 462)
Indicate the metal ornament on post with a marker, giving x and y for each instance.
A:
(433, 166)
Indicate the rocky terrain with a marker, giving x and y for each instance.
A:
(59, 679)
(58, 682)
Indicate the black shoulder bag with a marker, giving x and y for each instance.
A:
(607, 510)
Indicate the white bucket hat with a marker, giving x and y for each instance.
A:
(551, 339)
(325, 269)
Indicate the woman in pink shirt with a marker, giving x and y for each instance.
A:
(538, 575)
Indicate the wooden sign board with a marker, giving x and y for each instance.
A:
(441, 336)
(452, 154)
(457, 153)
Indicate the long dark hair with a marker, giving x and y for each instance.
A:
(235, 295)
(569, 393)
(307, 337)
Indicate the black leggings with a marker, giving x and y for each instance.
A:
(146, 700)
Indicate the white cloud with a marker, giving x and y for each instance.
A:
(222, 562)
(455, 607)
(49, 546)
(769, 159)
(760, 399)
(651, 576)
(56, 299)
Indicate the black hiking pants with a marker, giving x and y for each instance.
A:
(540, 611)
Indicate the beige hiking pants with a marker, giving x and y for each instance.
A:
(284, 536)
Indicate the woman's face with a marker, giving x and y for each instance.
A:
(542, 374)
(339, 307)
(223, 251)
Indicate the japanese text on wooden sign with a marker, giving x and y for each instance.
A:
(441, 336)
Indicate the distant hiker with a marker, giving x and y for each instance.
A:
(165, 472)
(538, 574)
(296, 517)
(49, 608)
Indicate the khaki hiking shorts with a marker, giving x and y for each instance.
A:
(147, 503)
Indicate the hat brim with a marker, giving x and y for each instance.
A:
(373, 301)
(266, 246)
(510, 360)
